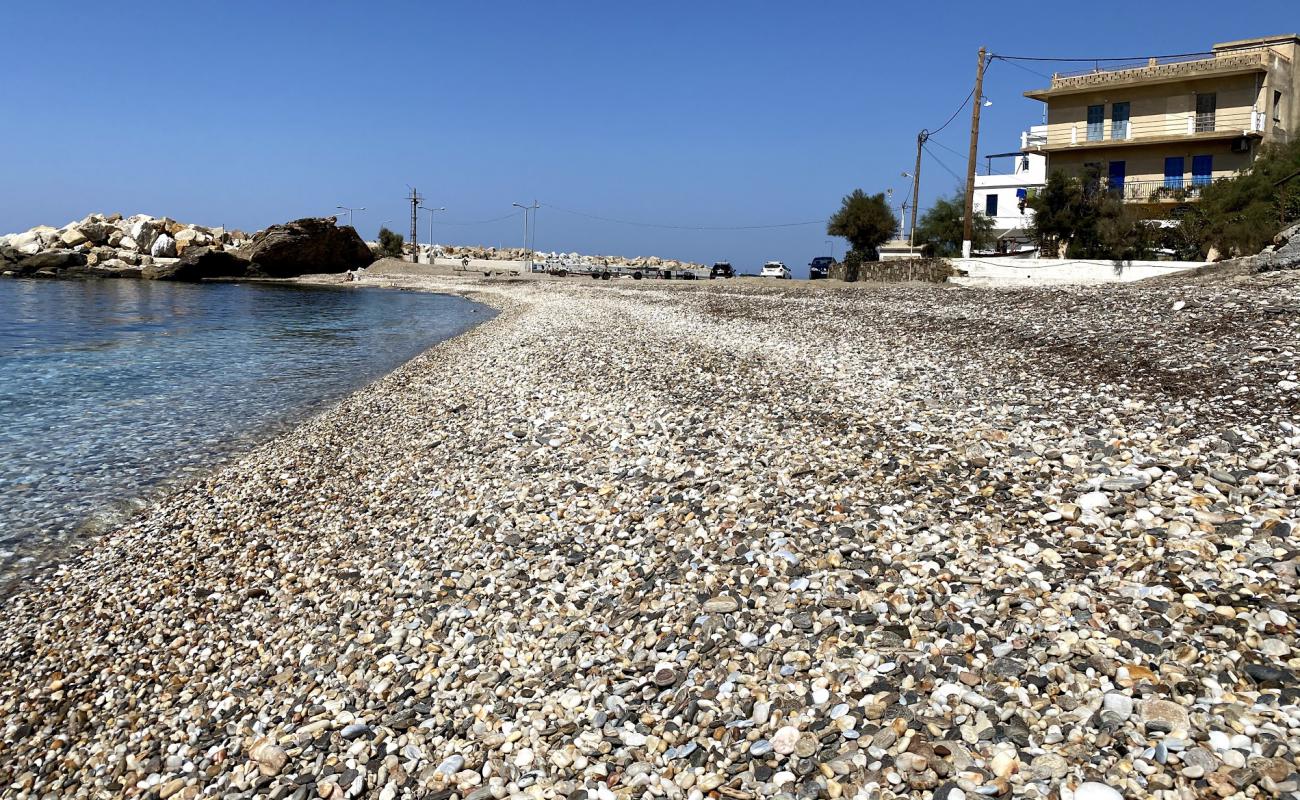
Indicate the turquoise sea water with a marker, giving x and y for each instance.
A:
(110, 388)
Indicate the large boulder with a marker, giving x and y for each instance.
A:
(96, 231)
(306, 246)
(190, 237)
(73, 237)
(163, 247)
(198, 263)
(143, 231)
(50, 261)
(28, 243)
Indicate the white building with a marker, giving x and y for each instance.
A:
(1003, 195)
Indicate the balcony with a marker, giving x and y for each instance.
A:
(1163, 190)
(1153, 71)
(1187, 126)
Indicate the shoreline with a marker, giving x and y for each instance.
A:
(728, 542)
(41, 554)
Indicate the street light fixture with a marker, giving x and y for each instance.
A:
(533, 208)
(912, 236)
(350, 210)
(431, 210)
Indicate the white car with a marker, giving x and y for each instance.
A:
(775, 269)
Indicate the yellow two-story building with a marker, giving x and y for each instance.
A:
(1158, 131)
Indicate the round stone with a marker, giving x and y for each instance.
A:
(1091, 790)
(785, 740)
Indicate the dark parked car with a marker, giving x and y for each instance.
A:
(722, 269)
(820, 267)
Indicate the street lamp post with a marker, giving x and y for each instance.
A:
(431, 210)
(350, 210)
(915, 179)
(533, 208)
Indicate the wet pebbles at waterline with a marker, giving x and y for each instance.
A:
(627, 542)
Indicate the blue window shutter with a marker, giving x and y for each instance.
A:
(1174, 172)
(1115, 176)
(1202, 170)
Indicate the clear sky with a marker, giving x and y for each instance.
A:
(677, 113)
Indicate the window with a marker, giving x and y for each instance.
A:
(1096, 123)
(1277, 106)
(1119, 121)
(1174, 172)
(1202, 170)
(991, 205)
(1206, 105)
(1115, 177)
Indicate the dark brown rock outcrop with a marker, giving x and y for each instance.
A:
(306, 246)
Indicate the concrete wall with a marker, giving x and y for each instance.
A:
(1059, 271)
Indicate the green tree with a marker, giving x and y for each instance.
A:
(1061, 214)
(390, 244)
(1076, 217)
(942, 228)
(1241, 215)
(866, 221)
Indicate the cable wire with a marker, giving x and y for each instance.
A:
(945, 147)
(683, 227)
(989, 60)
(477, 222)
(1000, 57)
(1030, 71)
(946, 168)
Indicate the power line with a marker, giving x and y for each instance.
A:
(478, 222)
(946, 168)
(1030, 71)
(955, 113)
(944, 146)
(1000, 57)
(683, 227)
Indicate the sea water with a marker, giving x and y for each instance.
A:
(110, 389)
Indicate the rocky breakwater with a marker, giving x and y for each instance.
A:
(558, 259)
(140, 246)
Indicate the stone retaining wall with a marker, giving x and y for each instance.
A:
(928, 270)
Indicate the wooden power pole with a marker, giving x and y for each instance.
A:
(916, 185)
(968, 227)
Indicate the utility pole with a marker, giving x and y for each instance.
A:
(921, 139)
(415, 200)
(968, 226)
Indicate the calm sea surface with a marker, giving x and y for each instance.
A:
(110, 388)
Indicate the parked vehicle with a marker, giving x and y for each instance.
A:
(722, 269)
(820, 267)
(775, 269)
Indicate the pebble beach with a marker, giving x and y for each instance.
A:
(727, 540)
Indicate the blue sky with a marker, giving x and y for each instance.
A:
(679, 113)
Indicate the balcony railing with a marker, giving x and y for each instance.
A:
(1165, 190)
(1236, 121)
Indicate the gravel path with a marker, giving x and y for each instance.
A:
(723, 540)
